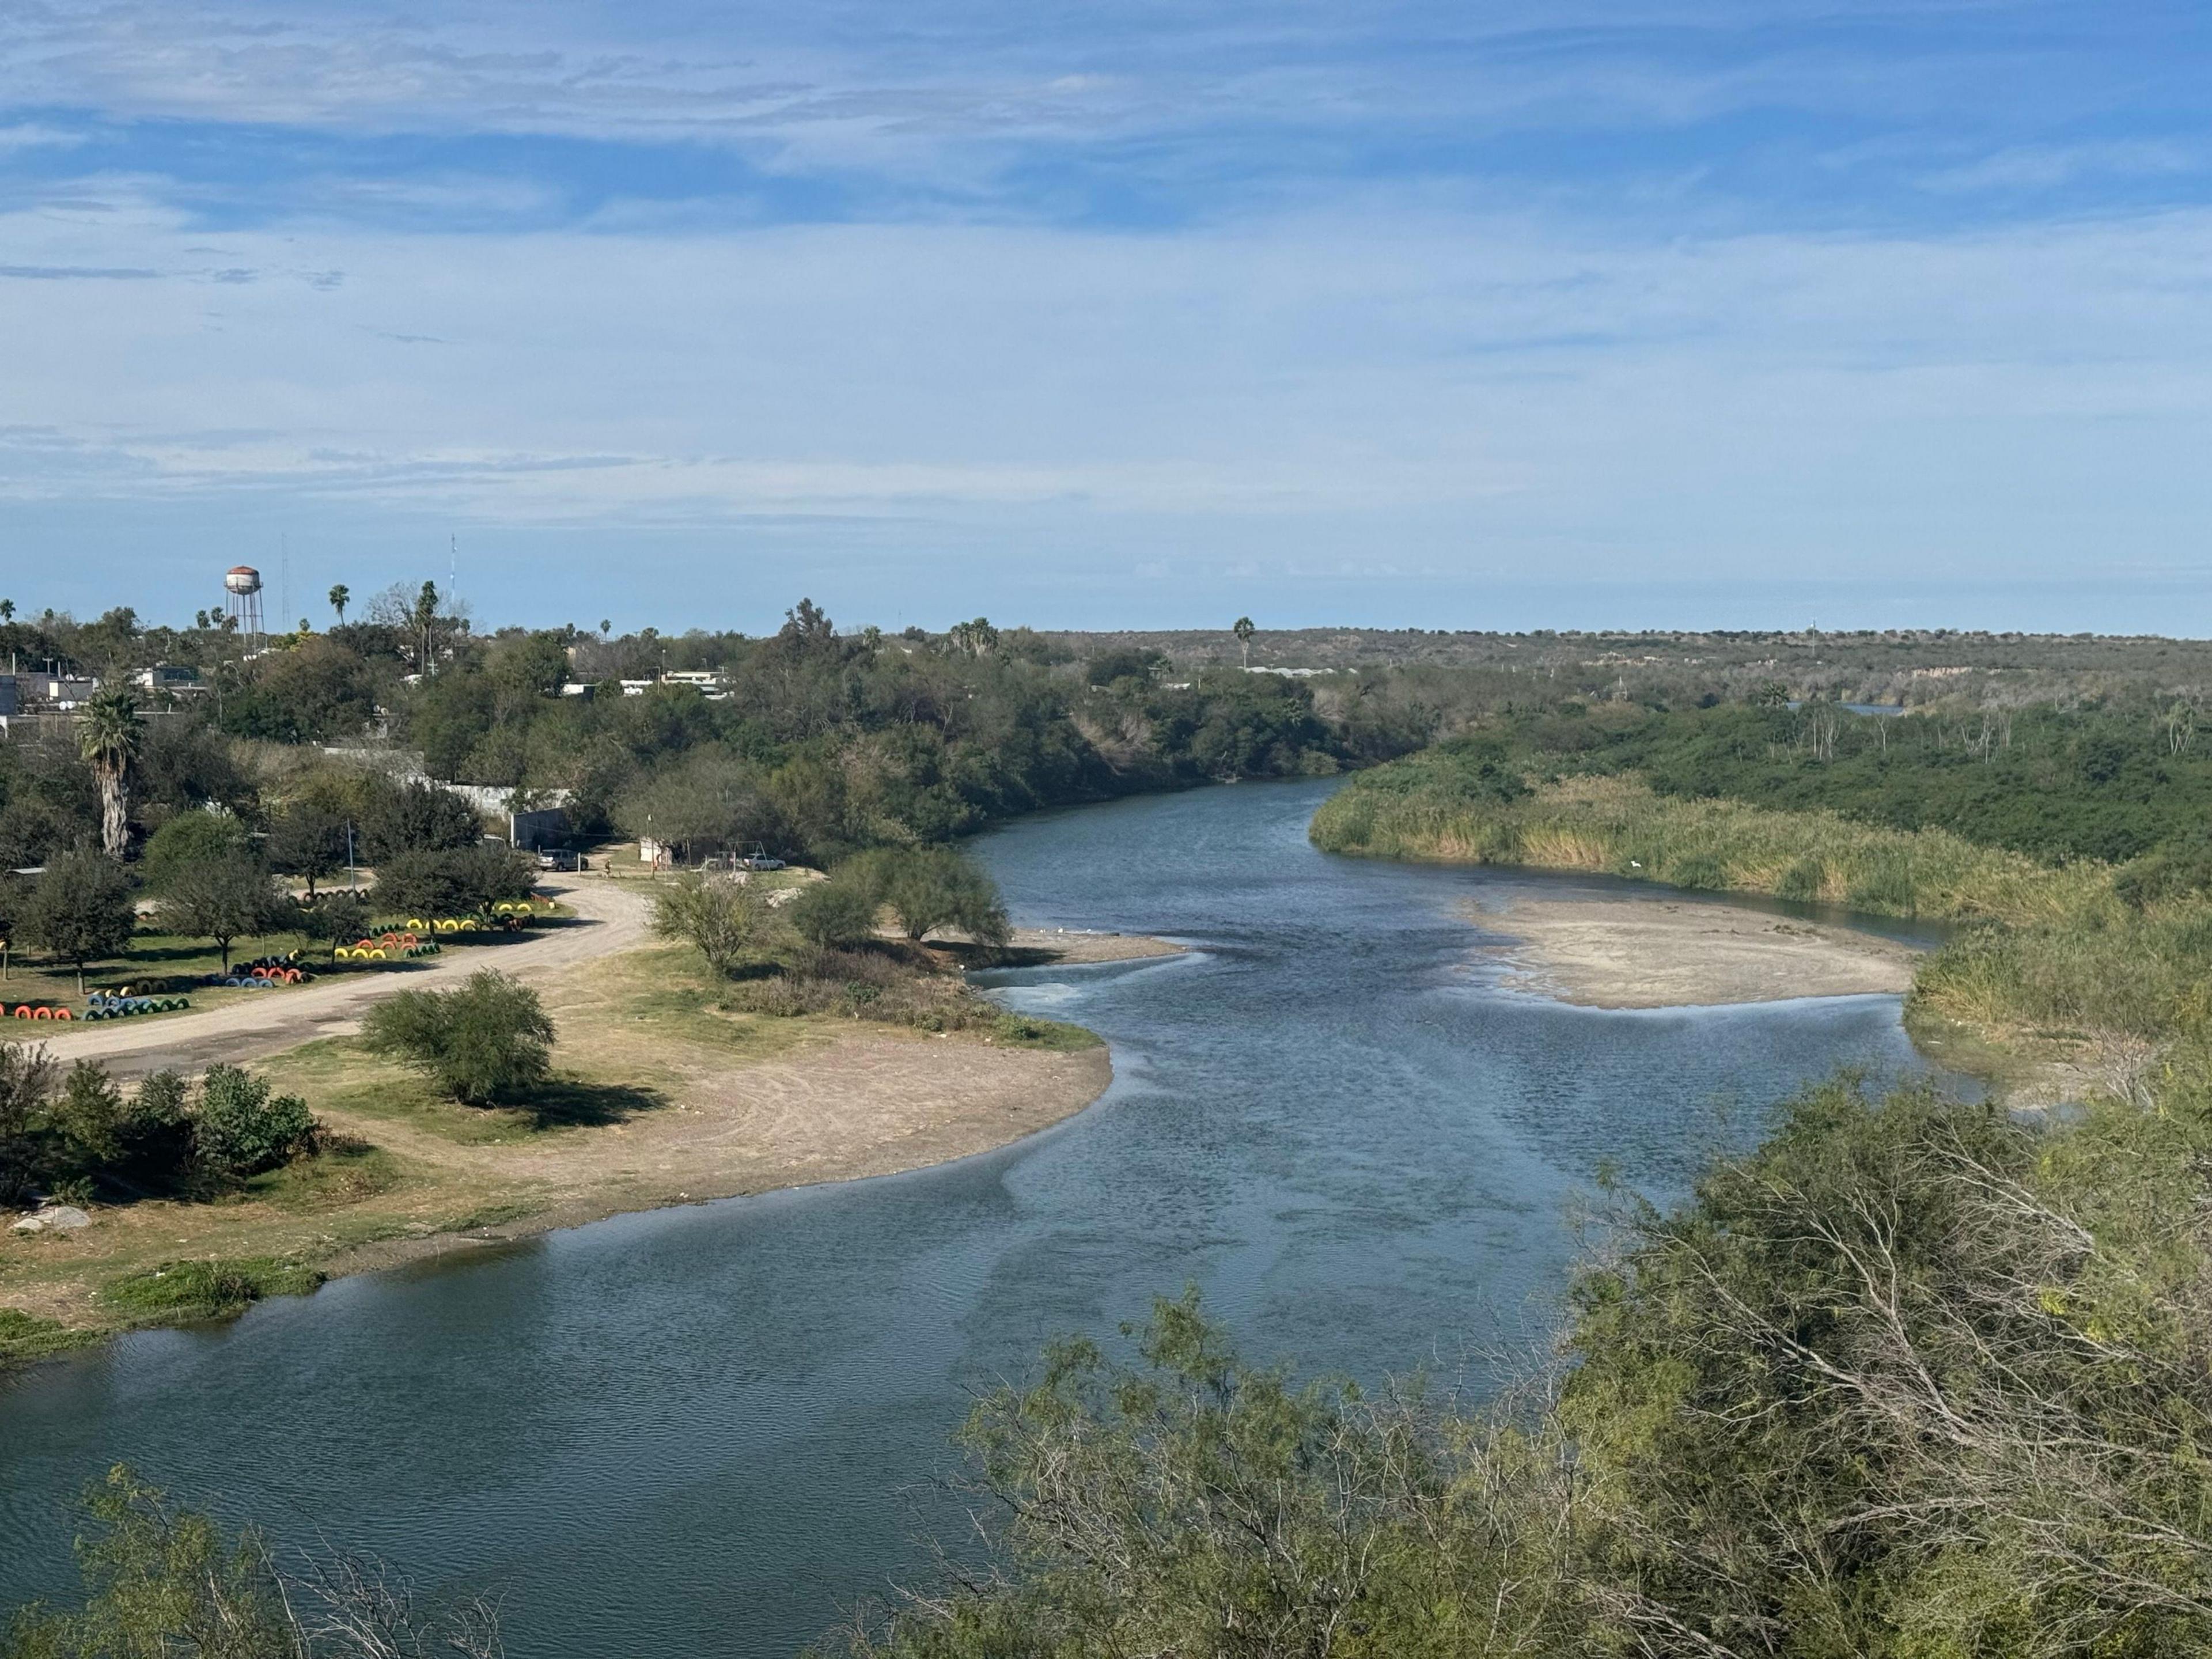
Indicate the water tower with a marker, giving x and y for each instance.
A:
(241, 597)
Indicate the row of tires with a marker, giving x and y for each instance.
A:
(42, 1010)
(129, 1007)
(369, 951)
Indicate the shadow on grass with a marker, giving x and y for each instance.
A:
(567, 1102)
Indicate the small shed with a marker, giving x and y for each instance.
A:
(528, 831)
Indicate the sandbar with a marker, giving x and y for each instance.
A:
(1664, 953)
(1043, 946)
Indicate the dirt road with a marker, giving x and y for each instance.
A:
(609, 916)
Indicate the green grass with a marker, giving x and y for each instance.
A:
(337, 1074)
(1053, 1035)
(343, 1172)
(2143, 975)
(23, 1337)
(179, 1290)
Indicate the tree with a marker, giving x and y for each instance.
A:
(928, 888)
(7, 611)
(483, 1042)
(456, 881)
(425, 618)
(107, 737)
(405, 817)
(81, 911)
(834, 912)
(338, 596)
(1244, 630)
(726, 919)
(188, 839)
(242, 1128)
(711, 799)
(307, 839)
(223, 899)
(337, 918)
(974, 639)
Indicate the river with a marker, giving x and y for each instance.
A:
(712, 1429)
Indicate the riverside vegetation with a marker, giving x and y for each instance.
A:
(1911, 1378)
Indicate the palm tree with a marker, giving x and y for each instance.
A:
(7, 611)
(338, 596)
(107, 738)
(1243, 630)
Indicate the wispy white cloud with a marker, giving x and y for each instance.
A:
(1408, 289)
(2046, 167)
(1443, 380)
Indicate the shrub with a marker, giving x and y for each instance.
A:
(2179, 865)
(453, 881)
(241, 1130)
(726, 920)
(834, 912)
(164, 1580)
(88, 1116)
(26, 1084)
(484, 1041)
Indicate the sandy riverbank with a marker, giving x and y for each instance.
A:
(1638, 952)
(664, 1099)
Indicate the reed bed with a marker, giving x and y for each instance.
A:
(1619, 827)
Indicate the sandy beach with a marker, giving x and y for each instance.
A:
(1638, 952)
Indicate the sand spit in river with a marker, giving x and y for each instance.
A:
(1634, 952)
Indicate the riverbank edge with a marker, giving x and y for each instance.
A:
(27, 1340)
(2031, 1070)
(385, 1255)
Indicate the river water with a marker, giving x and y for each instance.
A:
(712, 1429)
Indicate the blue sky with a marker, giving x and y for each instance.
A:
(1677, 313)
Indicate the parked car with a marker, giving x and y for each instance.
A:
(758, 858)
(556, 857)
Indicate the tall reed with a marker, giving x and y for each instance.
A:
(1618, 826)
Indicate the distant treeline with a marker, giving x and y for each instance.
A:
(2110, 780)
(814, 743)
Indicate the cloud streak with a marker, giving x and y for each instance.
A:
(1655, 289)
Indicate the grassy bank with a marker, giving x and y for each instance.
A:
(1443, 806)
